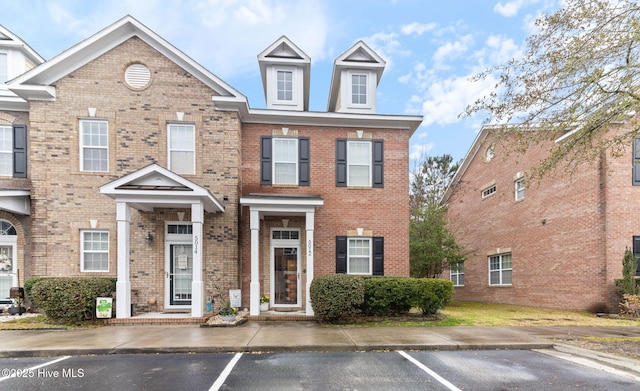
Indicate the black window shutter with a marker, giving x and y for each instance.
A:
(378, 163)
(341, 162)
(20, 151)
(341, 254)
(378, 256)
(265, 160)
(636, 252)
(636, 161)
(303, 161)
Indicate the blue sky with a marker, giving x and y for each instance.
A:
(431, 47)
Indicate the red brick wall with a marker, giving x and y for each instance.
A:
(384, 212)
(556, 234)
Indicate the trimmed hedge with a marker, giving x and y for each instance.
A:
(397, 295)
(29, 284)
(70, 298)
(336, 297)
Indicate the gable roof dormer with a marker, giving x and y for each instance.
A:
(285, 76)
(38, 83)
(16, 58)
(356, 74)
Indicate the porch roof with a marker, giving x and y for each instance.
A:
(15, 201)
(282, 204)
(156, 187)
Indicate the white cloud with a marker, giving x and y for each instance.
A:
(512, 8)
(451, 50)
(419, 151)
(417, 28)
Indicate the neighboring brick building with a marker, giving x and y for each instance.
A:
(145, 166)
(557, 242)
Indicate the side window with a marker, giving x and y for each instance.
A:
(285, 161)
(94, 251)
(636, 252)
(500, 269)
(182, 144)
(519, 189)
(94, 149)
(6, 150)
(360, 163)
(457, 274)
(13, 151)
(360, 255)
(8, 254)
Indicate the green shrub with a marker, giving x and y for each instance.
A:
(336, 297)
(70, 298)
(29, 284)
(432, 294)
(387, 296)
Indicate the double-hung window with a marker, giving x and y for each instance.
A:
(359, 89)
(94, 250)
(457, 273)
(360, 163)
(94, 149)
(285, 161)
(359, 256)
(500, 269)
(182, 144)
(6, 150)
(284, 85)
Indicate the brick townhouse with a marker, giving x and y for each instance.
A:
(557, 242)
(144, 166)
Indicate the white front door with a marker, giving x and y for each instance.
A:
(285, 268)
(178, 266)
(8, 251)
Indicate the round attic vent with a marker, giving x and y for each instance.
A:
(137, 76)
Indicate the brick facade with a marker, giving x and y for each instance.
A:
(567, 236)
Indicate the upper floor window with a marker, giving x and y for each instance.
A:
(4, 68)
(94, 250)
(519, 184)
(359, 89)
(360, 163)
(6, 150)
(284, 161)
(285, 85)
(636, 161)
(182, 156)
(94, 150)
(500, 269)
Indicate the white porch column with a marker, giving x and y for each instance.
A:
(254, 291)
(197, 291)
(123, 284)
(310, 223)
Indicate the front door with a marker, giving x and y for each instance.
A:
(285, 267)
(180, 274)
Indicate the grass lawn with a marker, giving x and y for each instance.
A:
(459, 313)
(41, 322)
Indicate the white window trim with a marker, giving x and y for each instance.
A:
(459, 271)
(347, 94)
(489, 191)
(193, 146)
(9, 152)
(501, 270)
(82, 146)
(12, 241)
(296, 89)
(296, 160)
(370, 143)
(5, 52)
(516, 183)
(349, 239)
(82, 251)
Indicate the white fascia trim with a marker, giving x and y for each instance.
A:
(34, 92)
(272, 204)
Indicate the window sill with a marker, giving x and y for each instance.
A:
(359, 187)
(284, 186)
(501, 286)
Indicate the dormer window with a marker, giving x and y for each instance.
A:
(4, 68)
(359, 89)
(285, 85)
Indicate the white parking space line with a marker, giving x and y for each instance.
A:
(227, 370)
(431, 373)
(27, 372)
